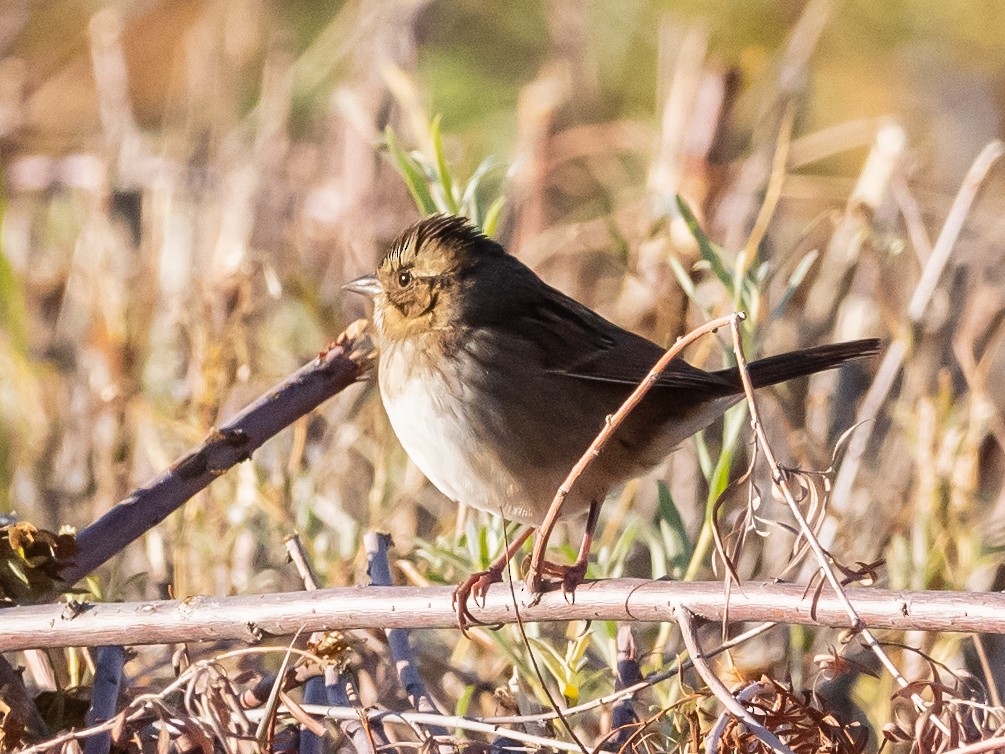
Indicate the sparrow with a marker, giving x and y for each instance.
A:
(495, 383)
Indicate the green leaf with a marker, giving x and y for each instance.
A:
(18, 572)
(708, 250)
(272, 703)
(739, 279)
(611, 560)
(93, 586)
(553, 662)
(446, 181)
(411, 172)
(464, 701)
(795, 280)
(679, 546)
(704, 456)
(469, 205)
(492, 216)
(462, 705)
(685, 282)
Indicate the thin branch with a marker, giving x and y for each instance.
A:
(21, 709)
(297, 556)
(365, 734)
(714, 737)
(448, 721)
(105, 695)
(531, 655)
(989, 677)
(311, 741)
(628, 692)
(773, 191)
(991, 744)
(376, 545)
(623, 716)
(689, 632)
(610, 426)
(779, 479)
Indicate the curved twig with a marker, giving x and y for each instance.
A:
(610, 426)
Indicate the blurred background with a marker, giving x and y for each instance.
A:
(187, 183)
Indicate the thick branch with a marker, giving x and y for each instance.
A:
(253, 617)
(333, 371)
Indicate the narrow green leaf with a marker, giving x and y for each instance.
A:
(795, 280)
(685, 282)
(469, 205)
(679, 548)
(739, 278)
(94, 587)
(417, 184)
(492, 216)
(658, 556)
(484, 552)
(272, 704)
(443, 171)
(750, 303)
(720, 475)
(575, 651)
(733, 421)
(708, 250)
(18, 572)
(613, 565)
(462, 705)
(552, 660)
(704, 457)
(464, 701)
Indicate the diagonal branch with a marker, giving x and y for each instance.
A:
(779, 479)
(336, 368)
(610, 426)
(689, 632)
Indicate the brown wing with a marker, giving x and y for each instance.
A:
(576, 342)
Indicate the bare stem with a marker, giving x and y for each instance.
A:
(688, 630)
(889, 368)
(610, 426)
(778, 478)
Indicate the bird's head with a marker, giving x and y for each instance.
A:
(424, 279)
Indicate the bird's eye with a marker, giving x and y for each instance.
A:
(404, 278)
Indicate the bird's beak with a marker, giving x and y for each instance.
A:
(368, 285)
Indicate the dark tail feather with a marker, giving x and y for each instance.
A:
(787, 366)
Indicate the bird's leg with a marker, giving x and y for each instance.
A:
(477, 584)
(572, 576)
(536, 571)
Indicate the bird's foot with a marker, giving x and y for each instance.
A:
(570, 576)
(475, 587)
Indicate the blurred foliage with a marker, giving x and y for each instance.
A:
(188, 184)
(30, 559)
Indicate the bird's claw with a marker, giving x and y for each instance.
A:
(475, 587)
(570, 577)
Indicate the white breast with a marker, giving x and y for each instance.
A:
(426, 411)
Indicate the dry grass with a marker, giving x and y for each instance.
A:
(187, 185)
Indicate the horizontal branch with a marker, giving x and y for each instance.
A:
(254, 617)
